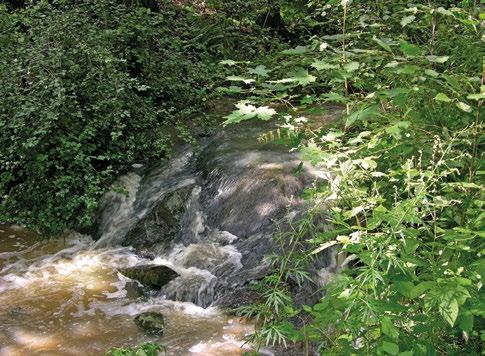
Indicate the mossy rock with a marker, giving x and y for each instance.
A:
(151, 323)
(161, 224)
(152, 276)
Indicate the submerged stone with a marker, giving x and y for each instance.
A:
(150, 322)
(153, 276)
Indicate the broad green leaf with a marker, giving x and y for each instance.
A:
(437, 59)
(410, 49)
(408, 69)
(448, 308)
(442, 97)
(296, 51)
(265, 113)
(407, 20)
(308, 99)
(382, 44)
(396, 129)
(247, 111)
(444, 11)
(300, 76)
(259, 71)
(362, 114)
(405, 288)
(388, 328)
(410, 245)
(465, 107)
(480, 96)
(422, 287)
(431, 73)
(334, 97)
(390, 347)
(352, 66)
(236, 78)
(322, 65)
(311, 152)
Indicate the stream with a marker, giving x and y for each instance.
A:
(208, 214)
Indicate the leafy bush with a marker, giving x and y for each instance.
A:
(403, 183)
(90, 87)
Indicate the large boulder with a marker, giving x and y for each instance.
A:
(162, 223)
(152, 276)
(151, 323)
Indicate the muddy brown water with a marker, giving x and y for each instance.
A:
(59, 298)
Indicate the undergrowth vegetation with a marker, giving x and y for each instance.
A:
(402, 178)
(90, 87)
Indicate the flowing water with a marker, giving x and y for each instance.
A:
(208, 214)
(62, 298)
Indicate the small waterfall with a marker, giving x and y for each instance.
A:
(208, 216)
(120, 210)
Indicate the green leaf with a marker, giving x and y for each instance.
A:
(405, 288)
(296, 51)
(322, 65)
(247, 111)
(362, 114)
(382, 44)
(410, 49)
(437, 59)
(448, 308)
(265, 113)
(390, 347)
(465, 107)
(260, 71)
(396, 129)
(442, 97)
(351, 67)
(408, 69)
(407, 20)
(334, 97)
(235, 78)
(431, 73)
(422, 287)
(300, 76)
(480, 96)
(388, 328)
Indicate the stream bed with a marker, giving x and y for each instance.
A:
(208, 214)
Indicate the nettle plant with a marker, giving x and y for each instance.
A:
(403, 183)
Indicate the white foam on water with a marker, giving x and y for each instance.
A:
(74, 264)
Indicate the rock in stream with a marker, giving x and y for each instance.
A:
(152, 276)
(151, 323)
